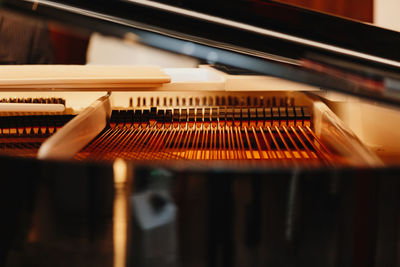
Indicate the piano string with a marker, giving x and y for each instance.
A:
(209, 134)
(272, 130)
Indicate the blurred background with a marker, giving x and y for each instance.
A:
(72, 46)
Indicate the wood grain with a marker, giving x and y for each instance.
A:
(354, 9)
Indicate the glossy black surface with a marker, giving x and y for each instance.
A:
(55, 213)
(63, 214)
(269, 15)
(303, 23)
(281, 217)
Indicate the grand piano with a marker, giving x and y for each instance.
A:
(282, 150)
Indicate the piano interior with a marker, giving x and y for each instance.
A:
(209, 127)
(22, 134)
(267, 166)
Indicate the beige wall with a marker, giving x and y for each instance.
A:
(387, 14)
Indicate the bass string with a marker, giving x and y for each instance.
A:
(152, 138)
(115, 145)
(101, 147)
(106, 151)
(123, 145)
(208, 143)
(172, 153)
(159, 142)
(325, 157)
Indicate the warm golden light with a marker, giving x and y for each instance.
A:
(120, 172)
(120, 213)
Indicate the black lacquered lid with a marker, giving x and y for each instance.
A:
(261, 36)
